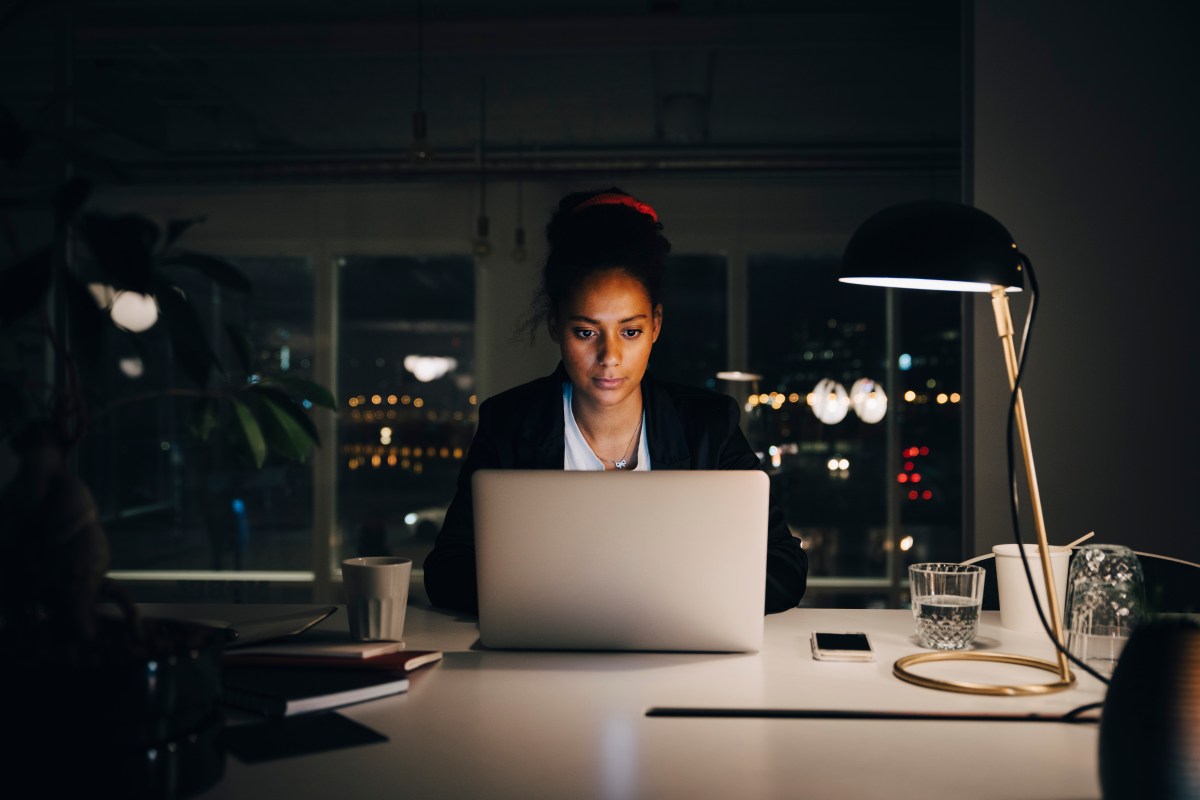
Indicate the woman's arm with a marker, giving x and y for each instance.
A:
(450, 567)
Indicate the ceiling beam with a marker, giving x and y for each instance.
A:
(394, 35)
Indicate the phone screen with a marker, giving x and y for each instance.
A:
(843, 641)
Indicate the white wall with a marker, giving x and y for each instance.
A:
(1085, 148)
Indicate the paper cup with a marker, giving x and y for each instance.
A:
(376, 597)
(1016, 605)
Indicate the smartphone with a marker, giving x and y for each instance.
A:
(854, 646)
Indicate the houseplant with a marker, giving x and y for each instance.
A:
(140, 694)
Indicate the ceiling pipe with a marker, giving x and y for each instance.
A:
(897, 160)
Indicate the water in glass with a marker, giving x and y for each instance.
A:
(945, 621)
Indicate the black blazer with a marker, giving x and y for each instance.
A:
(522, 428)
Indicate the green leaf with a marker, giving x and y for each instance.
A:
(287, 436)
(123, 248)
(218, 270)
(250, 433)
(243, 348)
(24, 285)
(287, 404)
(188, 340)
(308, 390)
(176, 227)
(204, 418)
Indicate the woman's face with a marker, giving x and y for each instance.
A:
(605, 332)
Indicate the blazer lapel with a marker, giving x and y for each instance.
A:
(668, 446)
(542, 440)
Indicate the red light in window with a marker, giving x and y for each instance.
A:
(926, 495)
(902, 478)
(910, 452)
(915, 477)
(912, 495)
(908, 466)
(924, 451)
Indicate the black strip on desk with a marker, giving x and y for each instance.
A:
(802, 713)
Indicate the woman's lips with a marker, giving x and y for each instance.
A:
(607, 383)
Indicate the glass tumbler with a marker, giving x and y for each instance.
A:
(945, 600)
(1105, 602)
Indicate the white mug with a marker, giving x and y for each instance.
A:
(376, 596)
(1017, 611)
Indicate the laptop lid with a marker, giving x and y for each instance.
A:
(659, 560)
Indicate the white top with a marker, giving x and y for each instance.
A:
(578, 454)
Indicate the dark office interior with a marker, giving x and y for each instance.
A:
(340, 209)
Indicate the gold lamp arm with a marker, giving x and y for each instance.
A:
(1004, 326)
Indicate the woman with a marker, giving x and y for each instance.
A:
(600, 299)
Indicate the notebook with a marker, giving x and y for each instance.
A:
(659, 560)
(284, 692)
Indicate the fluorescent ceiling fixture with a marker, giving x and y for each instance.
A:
(735, 375)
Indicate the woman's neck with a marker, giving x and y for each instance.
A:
(603, 423)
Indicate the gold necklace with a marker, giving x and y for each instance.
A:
(623, 462)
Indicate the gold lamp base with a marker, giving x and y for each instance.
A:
(900, 670)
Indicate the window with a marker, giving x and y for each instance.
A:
(170, 501)
(849, 482)
(406, 383)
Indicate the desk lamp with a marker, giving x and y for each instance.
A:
(929, 244)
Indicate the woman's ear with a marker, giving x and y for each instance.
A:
(552, 327)
(656, 323)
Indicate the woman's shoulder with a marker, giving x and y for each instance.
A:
(522, 397)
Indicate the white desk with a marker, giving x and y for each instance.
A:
(573, 725)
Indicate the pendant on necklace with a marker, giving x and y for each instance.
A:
(620, 464)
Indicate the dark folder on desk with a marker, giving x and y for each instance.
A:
(658, 560)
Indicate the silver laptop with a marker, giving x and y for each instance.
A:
(660, 560)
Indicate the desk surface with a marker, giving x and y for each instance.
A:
(526, 724)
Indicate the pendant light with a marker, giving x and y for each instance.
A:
(419, 152)
(482, 245)
(518, 253)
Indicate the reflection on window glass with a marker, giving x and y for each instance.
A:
(693, 347)
(929, 362)
(171, 501)
(805, 328)
(406, 379)
(815, 341)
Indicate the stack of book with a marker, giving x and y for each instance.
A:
(285, 679)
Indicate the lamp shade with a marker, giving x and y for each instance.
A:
(932, 244)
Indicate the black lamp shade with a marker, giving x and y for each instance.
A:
(932, 244)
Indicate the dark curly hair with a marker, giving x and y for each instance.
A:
(586, 239)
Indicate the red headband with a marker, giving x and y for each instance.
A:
(617, 200)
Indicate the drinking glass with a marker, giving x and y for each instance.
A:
(1105, 602)
(945, 602)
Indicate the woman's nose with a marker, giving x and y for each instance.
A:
(609, 352)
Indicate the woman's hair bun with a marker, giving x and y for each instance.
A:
(597, 230)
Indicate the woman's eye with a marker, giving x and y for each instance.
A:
(584, 333)
(632, 333)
